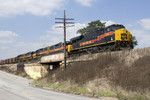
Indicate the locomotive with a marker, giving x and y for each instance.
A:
(113, 37)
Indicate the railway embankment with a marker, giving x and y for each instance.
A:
(122, 75)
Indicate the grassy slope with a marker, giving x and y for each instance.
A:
(121, 74)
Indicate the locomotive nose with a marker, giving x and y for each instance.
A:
(122, 35)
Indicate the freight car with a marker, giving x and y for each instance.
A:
(113, 37)
(2, 62)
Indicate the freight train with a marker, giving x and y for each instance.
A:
(113, 37)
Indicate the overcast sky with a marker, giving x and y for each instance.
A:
(27, 25)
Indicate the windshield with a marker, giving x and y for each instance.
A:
(116, 27)
(113, 28)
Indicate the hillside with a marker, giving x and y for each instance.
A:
(121, 74)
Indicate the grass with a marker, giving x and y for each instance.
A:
(62, 86)
(41, 83)
(83, 90)
(107, 94)
(80, 90)
(51, 85)
(131, 97)
(56, 86)
(121, 96)
(37, 83)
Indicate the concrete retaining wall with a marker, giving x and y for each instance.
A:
(35, 70)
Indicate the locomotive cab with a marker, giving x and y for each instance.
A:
(122, 36)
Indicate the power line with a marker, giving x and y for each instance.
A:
(64, 26)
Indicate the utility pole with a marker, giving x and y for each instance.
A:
(64, 26)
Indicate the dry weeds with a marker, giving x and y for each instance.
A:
(129, 70)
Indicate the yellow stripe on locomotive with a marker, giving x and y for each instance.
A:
(70, 48)
(48, 50)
